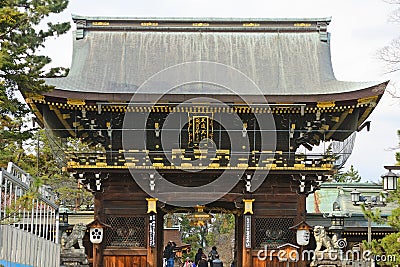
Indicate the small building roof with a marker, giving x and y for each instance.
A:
(282, 56)
(97, 223)
(85, 217)
(321, 202)
(173, 234)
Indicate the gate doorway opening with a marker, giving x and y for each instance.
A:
(196, 228)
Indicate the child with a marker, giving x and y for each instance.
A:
(188, 263)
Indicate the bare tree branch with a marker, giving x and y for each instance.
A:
(390, 54)
(395, 2)
(394, 17)
(392, 91)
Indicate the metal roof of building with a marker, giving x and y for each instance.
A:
(321, 202)
(281, 57)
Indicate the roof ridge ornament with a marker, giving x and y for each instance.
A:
(81, 24)
(322, 27)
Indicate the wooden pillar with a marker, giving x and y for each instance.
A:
(151, 253)
(246, 252)
(238, 240)
(160, 238)
(98, 214)
(152, 225)
(301, 208)
(301, 216)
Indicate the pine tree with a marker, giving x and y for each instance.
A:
(22, 34)
(349, 176)
(46, 167)
(389, 245)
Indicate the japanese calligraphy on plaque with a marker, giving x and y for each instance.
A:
(200, 128)
(247, 231)
(152, 230)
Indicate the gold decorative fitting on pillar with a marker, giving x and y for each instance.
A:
(151, 205)
(248, 206)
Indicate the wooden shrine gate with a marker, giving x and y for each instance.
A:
(135, 236)
(120, 98)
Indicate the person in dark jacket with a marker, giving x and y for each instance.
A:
(211, 255)
(203, 261)
(198, 255)
(217, 262)
(169, 253)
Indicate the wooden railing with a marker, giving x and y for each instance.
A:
(220, 159)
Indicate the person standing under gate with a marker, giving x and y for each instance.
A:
(203, 261)
(211, 255)
(169, 253)
(217, 262)
(198, 256)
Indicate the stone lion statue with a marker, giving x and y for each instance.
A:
(78, 232)
(323, 240)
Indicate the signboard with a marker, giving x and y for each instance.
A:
(247, 231)
(152, 231)
(200, 128)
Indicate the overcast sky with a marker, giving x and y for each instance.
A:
(358, 29)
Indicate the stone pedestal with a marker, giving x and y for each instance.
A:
(328, 259)
(74, 257)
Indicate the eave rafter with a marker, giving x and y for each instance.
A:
(276, 108)
(62, 120)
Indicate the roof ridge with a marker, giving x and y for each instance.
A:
(216, 19)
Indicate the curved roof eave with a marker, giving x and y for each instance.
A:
(359, 90)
